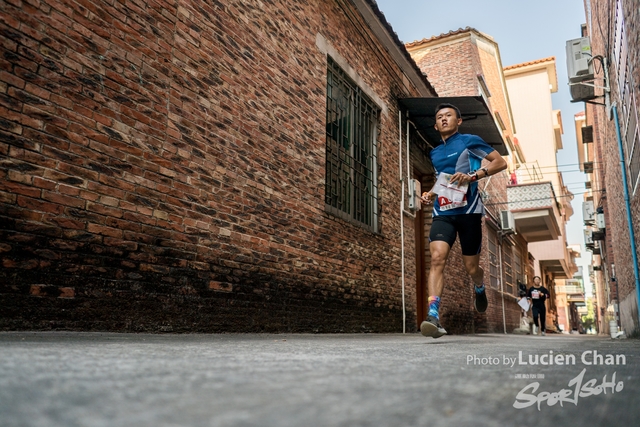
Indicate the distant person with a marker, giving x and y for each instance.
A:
(458, 164)
(538, 294)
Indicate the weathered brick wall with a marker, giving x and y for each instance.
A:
(450, 68)
(632, 28)
(163, 170)
(596, 117)
(618, 241)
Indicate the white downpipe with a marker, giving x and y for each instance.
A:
(408, 157)
(504, 320)
(404, 313)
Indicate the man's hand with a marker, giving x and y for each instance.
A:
(461, 178)
(428, 196)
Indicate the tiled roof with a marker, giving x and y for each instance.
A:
(445, 35)
(525, 64)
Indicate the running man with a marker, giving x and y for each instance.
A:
(537, 295)
(460, 157)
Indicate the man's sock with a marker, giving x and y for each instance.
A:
(479, 289)
(434, 306)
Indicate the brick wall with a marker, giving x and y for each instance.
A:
(607, 156)
(163, 170)
(450, 68)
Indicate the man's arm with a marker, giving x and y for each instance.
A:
(496, 164)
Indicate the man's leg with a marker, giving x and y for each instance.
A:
(543, 320)
(536, 314)
(439, 254)
(472, 264)
(470, 231)
(435, 285)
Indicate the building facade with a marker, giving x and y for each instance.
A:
(539, 199)
(613, 161)
(218, 167)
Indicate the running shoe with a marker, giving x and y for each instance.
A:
(432, 328)
(481, 302)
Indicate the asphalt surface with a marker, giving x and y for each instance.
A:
(101, 379)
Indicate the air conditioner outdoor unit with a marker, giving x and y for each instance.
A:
(580, 69)
(588, 211)
(579, 65)
(507, 222)
(588, 239)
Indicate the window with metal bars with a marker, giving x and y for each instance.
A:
(517, 266)
(508, 268)
(628, 107)
(351, 188)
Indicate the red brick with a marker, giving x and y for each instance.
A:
(63, 199)
(104, 231)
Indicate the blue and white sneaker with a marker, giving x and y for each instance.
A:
(432, 328)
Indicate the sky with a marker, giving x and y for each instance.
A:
(525, 31)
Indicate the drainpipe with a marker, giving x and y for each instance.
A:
(504, 320)
(632, 238)
(404, 313)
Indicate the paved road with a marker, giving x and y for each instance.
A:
(99, 379)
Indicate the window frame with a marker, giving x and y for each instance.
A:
(351, 151)
(507, 265)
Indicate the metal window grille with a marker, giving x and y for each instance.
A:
(628, 109)
(634, 161)
(631, 139)
(351, 149)
(517, 265)
(508, 269)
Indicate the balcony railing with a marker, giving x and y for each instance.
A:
(569, 289)
(535, 210)
(531, 196)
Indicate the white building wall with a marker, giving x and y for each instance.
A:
(531, 105)
(538, 131)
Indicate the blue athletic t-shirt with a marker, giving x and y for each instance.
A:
(461, 153)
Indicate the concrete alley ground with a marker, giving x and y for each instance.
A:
(101, 379)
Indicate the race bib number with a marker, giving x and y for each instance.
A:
(450, 196)
(446, 204)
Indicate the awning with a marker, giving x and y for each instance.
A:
(477, 119)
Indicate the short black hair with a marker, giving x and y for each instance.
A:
(447, 105)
